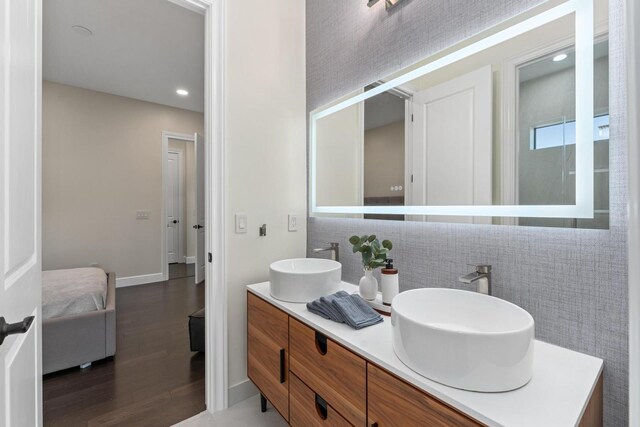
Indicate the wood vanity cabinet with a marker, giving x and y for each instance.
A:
(309, 409)
(267, 352)
(336, 374)
(392, 402)
(314, 381)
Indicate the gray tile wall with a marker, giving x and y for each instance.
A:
(573, 282)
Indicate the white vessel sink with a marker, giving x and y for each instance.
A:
(463, 339)
(304, 279)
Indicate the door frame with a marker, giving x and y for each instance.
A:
(216, 378)
(166, 136)
(216, 362)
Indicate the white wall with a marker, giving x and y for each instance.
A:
(265, 150)
(102, 162)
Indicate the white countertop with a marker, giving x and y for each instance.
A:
(557, 395)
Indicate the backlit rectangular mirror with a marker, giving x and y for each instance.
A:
(510, 127)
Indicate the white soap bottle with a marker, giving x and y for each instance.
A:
(389, 282)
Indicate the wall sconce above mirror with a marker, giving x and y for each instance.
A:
(388, 4)
(509, 127)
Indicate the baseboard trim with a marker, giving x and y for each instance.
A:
(241, 391)
(123, 282)
(190, 259)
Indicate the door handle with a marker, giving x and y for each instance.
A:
(175, 221)
(7, 329)
(198, 226)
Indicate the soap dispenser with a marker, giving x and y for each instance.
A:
(389, 284)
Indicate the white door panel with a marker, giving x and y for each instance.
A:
(173, 207)
(20, 219)
(200, 211)
(452, 146)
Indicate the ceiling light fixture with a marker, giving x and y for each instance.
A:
(82, 31)
(560, 57)
(182, 92)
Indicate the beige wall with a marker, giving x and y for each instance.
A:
(101, 159)
(384, 160)
(265, 151)
(189, 242)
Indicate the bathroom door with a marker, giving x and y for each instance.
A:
(20, 212)
(452, 145)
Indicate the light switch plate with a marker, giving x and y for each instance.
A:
(142, 214)
(293, 222)
(241, 223)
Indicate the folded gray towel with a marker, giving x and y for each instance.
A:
(327, 304)
(356, 312)
(323, 307)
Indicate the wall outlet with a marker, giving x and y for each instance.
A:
(293, 222)
(241, 223)
(142, 214)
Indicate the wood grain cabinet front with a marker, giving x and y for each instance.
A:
(308, 409)
(332, 371)
(392, 402)
(267, 352)
(314, 381)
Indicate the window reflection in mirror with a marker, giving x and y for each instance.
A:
(547, 132)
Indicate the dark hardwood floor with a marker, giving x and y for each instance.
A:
(153, 380)
(178, 271)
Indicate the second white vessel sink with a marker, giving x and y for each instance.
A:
(463, 339)
(304, 279)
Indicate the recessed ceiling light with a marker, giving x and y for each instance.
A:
(82, 31)
(560, 57)
(182, 92)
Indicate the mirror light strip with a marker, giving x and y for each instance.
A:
(584, 109)
(523, 211)
(584, 124)
(488, 42)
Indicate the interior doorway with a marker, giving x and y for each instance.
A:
(175, 196)
(183, 195)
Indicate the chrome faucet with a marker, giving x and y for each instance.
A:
(482, 271)
(333, 247)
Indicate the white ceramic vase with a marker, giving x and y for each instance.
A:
(368, 286)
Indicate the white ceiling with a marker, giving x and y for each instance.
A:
(141, 49)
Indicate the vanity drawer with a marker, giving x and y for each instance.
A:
(392, 402)
(308, 409)
(267, 351)
(330, 370)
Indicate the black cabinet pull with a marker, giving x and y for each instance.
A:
(7, 329)
(321, 343)
(321, 407)
(283, 373)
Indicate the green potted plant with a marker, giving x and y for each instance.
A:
(374, 254)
